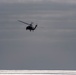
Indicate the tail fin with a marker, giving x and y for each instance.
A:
(35, 26)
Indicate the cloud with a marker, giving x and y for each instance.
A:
(63, 1)
(19, 1)
(53, 45)
(36, 1)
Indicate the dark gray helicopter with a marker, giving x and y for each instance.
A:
(30, 26)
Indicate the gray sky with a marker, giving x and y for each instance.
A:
(51, 46)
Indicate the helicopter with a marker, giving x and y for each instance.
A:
(30, 26)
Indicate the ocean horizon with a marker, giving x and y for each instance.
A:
(37, 72)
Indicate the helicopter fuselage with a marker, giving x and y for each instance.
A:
(31, 28)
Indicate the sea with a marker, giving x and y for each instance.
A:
(37, 72)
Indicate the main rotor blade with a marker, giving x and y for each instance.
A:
(23, 22)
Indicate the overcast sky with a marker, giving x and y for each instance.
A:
(51, 46)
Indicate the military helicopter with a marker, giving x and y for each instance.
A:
(30, 26)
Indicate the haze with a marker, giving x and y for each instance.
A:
(51, 46)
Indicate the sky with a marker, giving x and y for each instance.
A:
(52, 46)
